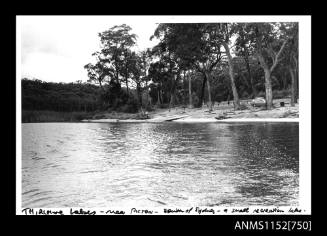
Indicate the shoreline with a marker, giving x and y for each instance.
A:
(199, 120)
(224, 113)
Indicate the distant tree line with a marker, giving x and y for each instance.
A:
(61, 97)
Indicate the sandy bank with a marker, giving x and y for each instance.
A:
(224, 111)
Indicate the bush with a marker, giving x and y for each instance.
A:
(49, 96)
(29, 116)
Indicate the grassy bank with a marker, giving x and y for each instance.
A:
(30, 116)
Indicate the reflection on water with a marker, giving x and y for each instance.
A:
(162, 164)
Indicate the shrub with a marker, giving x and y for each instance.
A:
(53, 116)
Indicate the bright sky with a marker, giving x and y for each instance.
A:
(55, 48)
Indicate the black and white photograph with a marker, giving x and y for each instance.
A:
(163, 114)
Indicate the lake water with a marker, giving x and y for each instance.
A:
(159, 164)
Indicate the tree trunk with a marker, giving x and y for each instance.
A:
(101, 85)
(202, 91)
(138, 89)
(296, 86)
(231, 74)
(296, 74)
(209, 91)
(158, 100)
(172, 100)
(147, 91)
(284, 79)
(172, 93)
(268, 87)
(161, 96)
(117, 77)
(293, 95)
(127, 87)
(269, 95)
(190, 92)
(254, 91)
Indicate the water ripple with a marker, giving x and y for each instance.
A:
(89, 164)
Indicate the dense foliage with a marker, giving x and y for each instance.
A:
(63, 97)
(234, 60)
